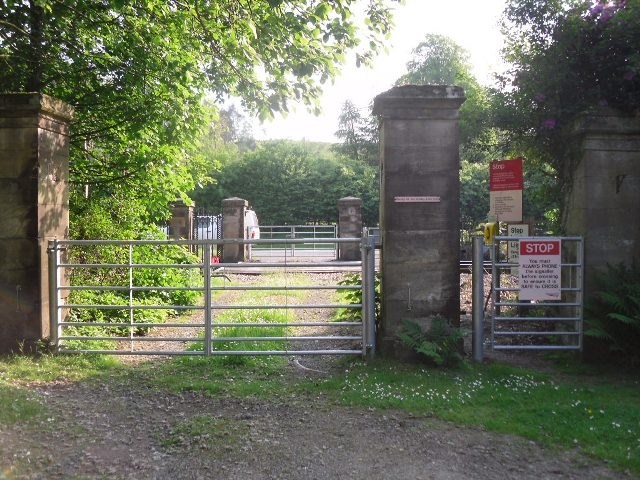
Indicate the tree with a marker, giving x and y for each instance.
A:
(294, 183)
(359, 135)
(136, 73)
(439, 60)
(567, 57)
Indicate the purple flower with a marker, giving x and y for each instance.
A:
(629, 76)
(549, 124)
(540, 98)
(596, 10)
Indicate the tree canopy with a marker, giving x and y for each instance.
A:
(567, 57)
(439, 60)
(294, 183)
(136, 72)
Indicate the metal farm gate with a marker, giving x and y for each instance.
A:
(128, 278)
(536, 324)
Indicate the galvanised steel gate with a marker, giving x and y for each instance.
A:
(541, 324)
(126, 282)
(322, 248)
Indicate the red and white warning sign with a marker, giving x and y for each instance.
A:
(505, 190)
(539, 268)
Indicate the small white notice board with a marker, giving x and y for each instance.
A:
(539, 269)
(513, 246)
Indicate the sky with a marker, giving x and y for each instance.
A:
(472, 24)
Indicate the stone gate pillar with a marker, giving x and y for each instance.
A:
(34, 181)
(233, 227)
(181, 221)
(419, 208)
(349, 226)
(604, 193)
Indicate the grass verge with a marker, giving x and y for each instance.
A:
(600, 418)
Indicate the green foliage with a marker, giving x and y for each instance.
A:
(136, 73)
(359, 135)
(567, 57)
(613, 313)
(119, 218)
(295, 183)
(355, 297)
(474, 195)
(439, 60)
(441, 343)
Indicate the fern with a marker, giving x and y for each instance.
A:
(613, 313)
(440, 344)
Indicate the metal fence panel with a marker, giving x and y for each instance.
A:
(68, 334)
(541, 324)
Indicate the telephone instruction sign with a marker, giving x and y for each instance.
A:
(539, 271)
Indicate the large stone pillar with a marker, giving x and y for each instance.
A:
(604, 191)
(349, 226)
(34, 180)
(233, 228)
(419, 208)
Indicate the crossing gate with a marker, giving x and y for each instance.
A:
(518, 324)
(130, 290)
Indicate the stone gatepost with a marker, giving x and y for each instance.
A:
(181, 221)
(419, 208)
(349, 226)
(233, 228)
(34, 189)
(604, 193)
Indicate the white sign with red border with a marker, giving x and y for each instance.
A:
(539, 269)
(505, 189)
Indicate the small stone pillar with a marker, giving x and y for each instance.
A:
(604, 192)
(181, 221)
(233, 228)
(419, 208)
(34, 190)
(349, 226)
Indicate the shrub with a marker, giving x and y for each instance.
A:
(612, 315)
(441, 343)
(355, 297)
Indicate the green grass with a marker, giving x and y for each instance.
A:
(17, 406)
(50, 368)
(601, 418)
(600, 415)
(271, 321)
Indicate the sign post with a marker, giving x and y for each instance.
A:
(505, 189)
(539, 269)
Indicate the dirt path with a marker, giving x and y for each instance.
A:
(118, 429)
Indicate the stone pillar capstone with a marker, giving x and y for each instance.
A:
(419, 208)
(34, 188)
(349, 226)
(233, 228)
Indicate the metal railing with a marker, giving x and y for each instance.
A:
(310, 248)
(537, 324)
(68, 334)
